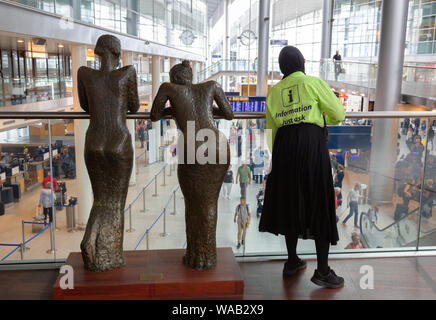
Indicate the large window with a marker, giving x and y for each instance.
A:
(30, 77)
(177, 23)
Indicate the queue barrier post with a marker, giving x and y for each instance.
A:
(155, 186)
(136, 166)
(164, 174)
(130, 220)
(52, 248)
(164, 233)
(147, 239)
(143, 200)
(24, 248)
(174, 203)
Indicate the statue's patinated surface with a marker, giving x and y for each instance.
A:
(107, 94)
(200, 183)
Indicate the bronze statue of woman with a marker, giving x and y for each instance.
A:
(107, 94)
(192, 105)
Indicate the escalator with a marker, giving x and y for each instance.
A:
(401, 233)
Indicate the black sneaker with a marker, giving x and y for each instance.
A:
(238, 246)
(330, 280)
(243, 242)
(289, 270)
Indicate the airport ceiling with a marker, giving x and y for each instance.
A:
(282, 10)
(212, 6)
(285, 10)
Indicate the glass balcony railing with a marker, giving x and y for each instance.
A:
(389, 156)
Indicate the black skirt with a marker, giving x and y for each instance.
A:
(299, 196)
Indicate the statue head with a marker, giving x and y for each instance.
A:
(108, 48)
(181, 73)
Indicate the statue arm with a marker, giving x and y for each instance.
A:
(224, 108)
(83, 100)
(132, 91)
(158, 109)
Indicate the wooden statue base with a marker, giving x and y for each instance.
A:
(154, 274)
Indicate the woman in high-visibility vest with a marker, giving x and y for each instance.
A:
(299, 196)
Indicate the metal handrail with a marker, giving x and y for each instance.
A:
(237, 115)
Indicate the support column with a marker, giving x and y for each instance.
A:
(77, 14)
(226, 44)
(155, 83)
(132, 17)
(194, 71)
(389, 81)
(327, 23)
(169, 21)
(84, 189)
(173, 62)
(262, 60)
(127, 58)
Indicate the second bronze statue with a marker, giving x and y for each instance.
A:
(107, 94)
(192, 105)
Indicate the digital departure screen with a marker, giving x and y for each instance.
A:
(247, 104)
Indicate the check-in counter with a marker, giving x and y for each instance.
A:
(17, 179)
(36, 171)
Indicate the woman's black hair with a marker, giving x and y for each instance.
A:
(291, 60)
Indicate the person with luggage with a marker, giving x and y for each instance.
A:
(242, 218)
(46, 200)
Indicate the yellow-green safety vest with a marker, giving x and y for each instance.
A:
(300, 98)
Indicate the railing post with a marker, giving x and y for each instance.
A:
(130, 220)
(155, 186)
(174, 202)
(164, 233)
(143, 200)
(145, 158)
(22, 251)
